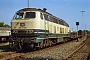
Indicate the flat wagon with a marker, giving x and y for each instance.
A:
(4, 34)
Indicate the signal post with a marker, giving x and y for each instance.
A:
(77, 23)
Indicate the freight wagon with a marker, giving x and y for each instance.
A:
(4, 34)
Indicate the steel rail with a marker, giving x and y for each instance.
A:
(84, 42)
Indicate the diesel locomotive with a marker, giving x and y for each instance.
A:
(36, 28)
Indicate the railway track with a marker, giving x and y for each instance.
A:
(47, 51)
(52, 53)
(80, 52)
(14, 55)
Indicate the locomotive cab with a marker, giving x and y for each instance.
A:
(25, 26)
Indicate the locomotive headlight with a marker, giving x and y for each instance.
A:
(30, 31)
(14, 31)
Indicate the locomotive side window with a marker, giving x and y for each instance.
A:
(19, 15)
(58, 21)
(41, 15)
(61, 22)
(51, 19)
(55, 20)
(46, 17)
(30, 15)
(67, 25)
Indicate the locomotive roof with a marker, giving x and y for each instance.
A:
(30, 9)
(35, 9)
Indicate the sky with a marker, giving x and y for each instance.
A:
(68, 10)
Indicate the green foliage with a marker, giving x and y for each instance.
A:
(6, 25)
(3, 25)
(87, 32)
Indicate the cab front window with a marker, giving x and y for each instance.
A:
(19, 15)
(30, 15)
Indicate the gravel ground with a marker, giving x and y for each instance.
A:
(83, 53)
(55, 53)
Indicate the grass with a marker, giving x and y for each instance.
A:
(2, 44)
(1, 51)
(4, 47)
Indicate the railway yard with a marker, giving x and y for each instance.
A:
(67, 51)
(36, 34)
(53, 30)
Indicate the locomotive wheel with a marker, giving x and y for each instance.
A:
(11, 44)
(47, 43)
(54, 42)
(18, 47)
(41, 45)
(50, 43)
(32, 47)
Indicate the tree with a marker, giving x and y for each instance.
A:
(6, 25)
(1, 24)
(87, 32)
